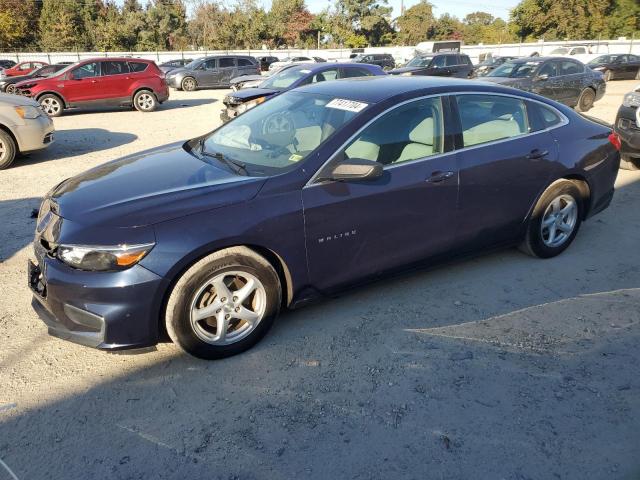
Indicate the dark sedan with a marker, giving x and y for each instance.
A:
(166, 67)
(323, 187)
(628, 127)
(448, 64)
(292, 76)
(8, 84)
(564, 80)
(6, 64)
(617, 67)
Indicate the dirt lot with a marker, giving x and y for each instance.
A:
(500, 367)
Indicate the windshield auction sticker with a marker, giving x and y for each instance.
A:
(348, 105)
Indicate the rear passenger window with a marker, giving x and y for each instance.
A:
(245, 62)
(409, 132)
(451, 60)
(226, 62)
(570, 68)
(137, 66)
(487, 118)
(355, 72)
(546, 117)
(114, 68)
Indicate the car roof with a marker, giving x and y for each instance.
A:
(115, 59)
(540, 59)
(379, 88)
(314, 67)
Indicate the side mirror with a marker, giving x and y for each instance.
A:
(543, 77)
(356, 169)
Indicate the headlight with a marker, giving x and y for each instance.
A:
(631, 99)
(243, 107)
(406, 74)
(102, 258)
(28, 112)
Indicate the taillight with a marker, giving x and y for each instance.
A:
(614, 138)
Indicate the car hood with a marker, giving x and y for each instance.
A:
(15, 79)
(246, 78)
(16, 100)
(31, 81)
(177, 71)
(150, 187)
(397, 71)
(251, 93)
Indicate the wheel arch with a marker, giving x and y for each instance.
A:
(140, 88)
(580, 181)
(8, 131)
(57, 94)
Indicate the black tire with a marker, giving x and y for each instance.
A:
(638, 75)
(534, 242)
(178, 311)
(586, 100)
(11, 89)
(8, 150)
(52, 104)
(628, 163)
(188, 84)
(608, 75)
(145, 101)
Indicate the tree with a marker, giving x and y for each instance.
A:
(165, 26)
(18, 23)
(61, 26)
(447, 27)
(357, 23)
(415, 23)
(482, 27)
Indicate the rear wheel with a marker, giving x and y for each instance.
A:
(189, 84)
(11, 88)
(51, 104)
(555, 220)
(628, 163)
(223, 304)
(145, 101)
(586, 100)
(638, 75)
(8, 149)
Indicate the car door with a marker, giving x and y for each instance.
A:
(626, 67)
(570, 81)
(504, 164)
(452, 62)
(438, 67)
(83, 84)
(226, 70)
(634, 66)
(544, 80)
(114, 80)
(207, 74)
(363, 228)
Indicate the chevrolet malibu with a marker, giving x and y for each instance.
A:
(320, 188)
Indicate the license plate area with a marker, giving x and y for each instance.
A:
(37, 282)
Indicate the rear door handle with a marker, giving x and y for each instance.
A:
(536, 154)
(439, 176)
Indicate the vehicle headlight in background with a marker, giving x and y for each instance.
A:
(406, 74)
(243, 107)
(631, 99)
(28, 112)
(103, 258)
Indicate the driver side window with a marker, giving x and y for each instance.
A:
(87, 70)
(406, 133)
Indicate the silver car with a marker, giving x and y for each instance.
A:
(24, 127)
(216, 71)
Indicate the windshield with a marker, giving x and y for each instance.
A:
(66, 69)
(284, 78)
(192, 64)
(419, 62)
(560, 51)
(514, 70)
(281, 133)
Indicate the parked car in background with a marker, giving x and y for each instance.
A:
(628, 127)
(266, 61)
(449, 64)
(214, 71)
(323, 187)
(564, 80)
(99, 82)
(288, 61)
(617, 66)
(8, 84)
(6, 64)
(22, 68)
(173, 64)
(253, 81)
(583, 53)
(490, 64)
(383, 60)
(24, 127)
(291, 77)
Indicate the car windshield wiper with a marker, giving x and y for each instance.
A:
(237, 167)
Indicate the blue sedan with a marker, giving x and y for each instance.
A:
(320, 188)
(291, 77)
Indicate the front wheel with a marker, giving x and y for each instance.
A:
(555, 220)
(628, 163)
(8, 149)
(224, 304)
(188, 84)
(586, 100)
(11, 89)
(145, 101)
(51, 104)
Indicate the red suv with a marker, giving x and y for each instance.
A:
(23, 68)
(102, 81)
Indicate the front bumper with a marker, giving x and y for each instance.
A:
(227, 114)
(627, 127)
(35, 134)
(173, 82)
(105, 310)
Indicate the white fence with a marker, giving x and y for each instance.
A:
(399, 53)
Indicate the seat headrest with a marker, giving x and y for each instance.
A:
(423, 132)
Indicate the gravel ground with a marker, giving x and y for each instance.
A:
(502, 367)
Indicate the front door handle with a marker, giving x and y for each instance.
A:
(536, 154)
(439, 176)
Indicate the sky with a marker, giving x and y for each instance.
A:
(497, 8)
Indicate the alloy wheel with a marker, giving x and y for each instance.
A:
(11, 89)
(3, 150)
(228, 307)
(559, 221)
(145, 101)
(189, 84)
(51, 106)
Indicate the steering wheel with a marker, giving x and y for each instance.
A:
(278, 123)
